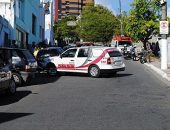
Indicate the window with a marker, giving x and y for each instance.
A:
(83, 52)
(40, 32)
(19, 38)
(69, 53)
(21, 10)
(16, 60)
(54, 52)
(114, 54)
(67, 2)
(33, 24)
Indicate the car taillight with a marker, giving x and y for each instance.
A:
(109, 61)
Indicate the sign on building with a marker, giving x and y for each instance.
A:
(164, 27)
(71, 23)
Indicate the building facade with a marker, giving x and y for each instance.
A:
(49, 21)
(6, 29)
(27, 20)
(65, 8)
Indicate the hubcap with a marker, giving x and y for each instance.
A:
(93, 71)
(16, 78)
(52, 71)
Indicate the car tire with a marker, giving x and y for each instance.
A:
(94, 71)
(17, 78)
(51, 70)
(12, 88)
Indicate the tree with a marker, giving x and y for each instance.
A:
(97, 24)
(143, 21)
(62, 31)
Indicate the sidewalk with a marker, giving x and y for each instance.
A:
(155, 65)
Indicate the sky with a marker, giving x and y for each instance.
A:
(114, 6)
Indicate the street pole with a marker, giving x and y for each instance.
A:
(164, 43)
(121, 28)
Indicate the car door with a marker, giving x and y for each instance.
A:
(66, 62)
(82, 60)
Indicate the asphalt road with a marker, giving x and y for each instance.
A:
(136, 99)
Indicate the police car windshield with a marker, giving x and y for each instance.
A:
(127, 43)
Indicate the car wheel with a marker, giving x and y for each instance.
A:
(51, 70)
(12, 88)
(94, 71)
(17, 78)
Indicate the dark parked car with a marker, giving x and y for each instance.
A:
(24, 65)
(45, 55)
(7, 82)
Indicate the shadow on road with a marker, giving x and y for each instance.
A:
(102, 76)
(74, 74)
(4, 117)
(43, 78)
(116, 75)
(6, 100)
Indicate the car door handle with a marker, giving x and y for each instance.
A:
(71, 60)
(89, 60)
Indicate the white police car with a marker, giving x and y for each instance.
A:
(90, 59)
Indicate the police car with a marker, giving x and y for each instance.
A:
(90, 59)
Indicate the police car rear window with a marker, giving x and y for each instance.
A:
(114, 54)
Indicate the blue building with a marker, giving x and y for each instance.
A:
(27, 19)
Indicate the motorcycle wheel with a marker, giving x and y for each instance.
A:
(142, 61)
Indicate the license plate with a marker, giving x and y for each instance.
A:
(117, 63)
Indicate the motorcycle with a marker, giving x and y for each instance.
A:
(126, 53)
(142, 57)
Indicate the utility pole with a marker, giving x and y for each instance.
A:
(121, 27)
(164, 31)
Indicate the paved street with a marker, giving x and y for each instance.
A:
(136, 99)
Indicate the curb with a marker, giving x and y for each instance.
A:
(159, 71)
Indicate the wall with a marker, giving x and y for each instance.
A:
(5, 23)
(31, 7)
(18, 13)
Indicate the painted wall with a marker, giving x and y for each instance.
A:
(31, 7)
(19, 15)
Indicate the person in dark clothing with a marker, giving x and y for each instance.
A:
(157, 49)
(133, 53)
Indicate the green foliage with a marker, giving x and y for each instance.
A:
(143, 21)
(62, 30)
(97, 24)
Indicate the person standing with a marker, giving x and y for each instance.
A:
(149, 52)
